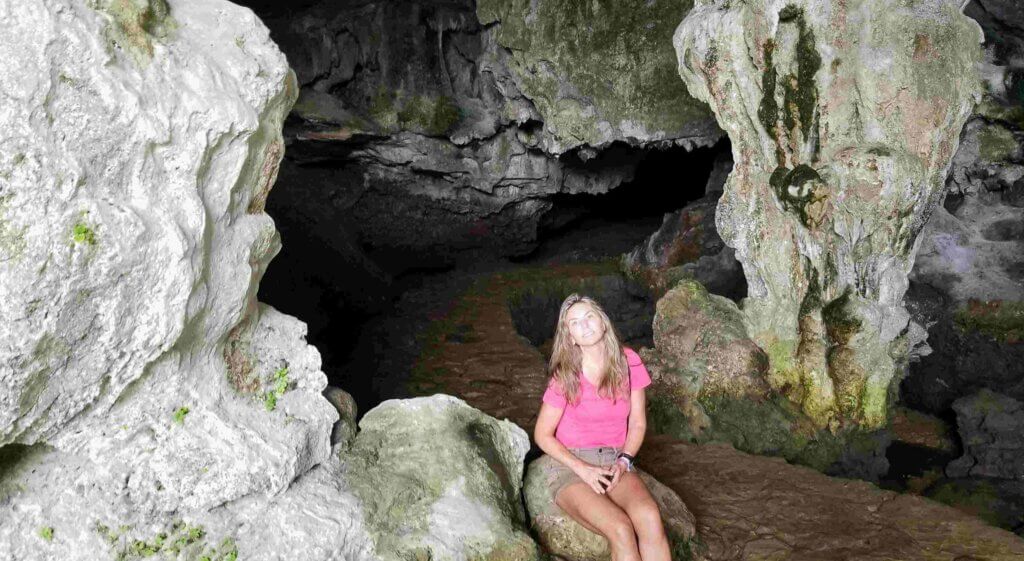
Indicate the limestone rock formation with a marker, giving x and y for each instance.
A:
(438, 479)
(149, 405)
(710, 384)
(990, 428)
(965, 285)
(598, 72)
(141, 141)
(834, 112)
(704, 335)
(566, 538)
(425, 111)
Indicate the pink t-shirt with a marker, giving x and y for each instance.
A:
(596, 421)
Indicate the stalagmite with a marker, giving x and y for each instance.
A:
(843, 117)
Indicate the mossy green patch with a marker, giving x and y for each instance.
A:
(613, 56)
(134, 24)
(1012, 114)
(395, 110)
(768, 109)
(996, 143)
(978, 499)
(797, 113)
(82, 233)
(1002, 320)
(46, 532)
(179, 415)
(682, 549)
(279, 385)
(12, 238)
(176, 540)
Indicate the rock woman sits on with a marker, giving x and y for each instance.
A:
(592, 421)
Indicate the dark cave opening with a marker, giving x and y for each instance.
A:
(345, 288)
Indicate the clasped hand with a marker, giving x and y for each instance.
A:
(601, 479)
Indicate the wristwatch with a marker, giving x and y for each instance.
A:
(626, 459)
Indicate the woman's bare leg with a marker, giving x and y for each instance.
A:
(600, 515)
(633, 497)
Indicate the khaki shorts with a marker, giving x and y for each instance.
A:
(561, 476)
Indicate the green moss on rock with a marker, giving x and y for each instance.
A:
(996, 143)
(1002, 320)
(428, 115)
(134, 24)
(615, 57)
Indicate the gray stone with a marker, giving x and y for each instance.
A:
(438, 479)
(991, 428)
(965, 284)
(345, 427)
(440, 128)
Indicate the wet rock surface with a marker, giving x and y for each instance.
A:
(753, 507)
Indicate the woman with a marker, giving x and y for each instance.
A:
(592, 420)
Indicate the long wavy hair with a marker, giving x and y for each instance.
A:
(567, 358)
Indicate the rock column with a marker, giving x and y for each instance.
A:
(843, 117)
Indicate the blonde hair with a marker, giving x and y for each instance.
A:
(567, 358)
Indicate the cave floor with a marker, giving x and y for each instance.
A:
(747, 507)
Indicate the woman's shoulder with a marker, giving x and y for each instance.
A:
(632, 358)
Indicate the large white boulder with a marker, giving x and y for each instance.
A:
(143, 390)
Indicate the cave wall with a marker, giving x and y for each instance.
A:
(422, 111)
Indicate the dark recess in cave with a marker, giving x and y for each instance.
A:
(311, 280)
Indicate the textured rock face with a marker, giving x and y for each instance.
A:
(834, 112)
(417, 111)
(598, 71)
(566, 538)
(710, 384)
(705, 336)
(140, 141)
(440, 480)
(965, 285)
(344, 429)
(990, 428)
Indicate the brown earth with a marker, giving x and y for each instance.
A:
(747, 507)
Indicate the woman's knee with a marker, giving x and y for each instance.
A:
(619, 529)
(646, 519)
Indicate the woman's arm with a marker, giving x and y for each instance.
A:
(635, 431)
(544, 435)
(637, 427)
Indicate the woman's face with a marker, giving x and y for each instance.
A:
(585, 325)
